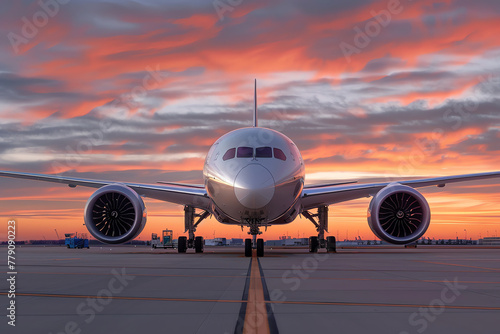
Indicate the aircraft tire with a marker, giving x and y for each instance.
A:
(313, 244)
(248, 247)
(331, 245)
(198, 244)
(260, 247)
(182, 244)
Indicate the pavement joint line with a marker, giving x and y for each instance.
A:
(458, 265)
(270, 269)
(268, 277)
(326, 303)
(50, 265)
(273, 326)
(146, 275)
(483, 308)
(53, 295)
(241, 316)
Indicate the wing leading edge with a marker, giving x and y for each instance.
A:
(174, 193)
(317, 196)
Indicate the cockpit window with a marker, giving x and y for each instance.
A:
(229, 154)
(263, 152)
(278, 154)
(245, 152)
(260, 152)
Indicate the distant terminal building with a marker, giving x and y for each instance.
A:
(490, 241)
(216, 242)
(236, 242)
(288, 242)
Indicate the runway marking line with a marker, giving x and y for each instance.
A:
(458, 265)
(273, 326)
(74, 258)
(238, 329)
(271, 277)
(146, 275)
(125, 298)
(268, 269)
(389, 280)
(256, 313)
(484, 308)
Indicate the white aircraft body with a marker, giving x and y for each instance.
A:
(255, 177)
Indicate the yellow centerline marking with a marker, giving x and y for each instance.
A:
(256, 314)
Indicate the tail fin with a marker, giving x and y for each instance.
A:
(255, 123)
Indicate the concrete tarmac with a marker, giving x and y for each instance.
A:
(126, 289)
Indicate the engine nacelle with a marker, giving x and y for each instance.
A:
(399, 214)
(115, 214)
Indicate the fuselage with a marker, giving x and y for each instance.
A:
(254, 175)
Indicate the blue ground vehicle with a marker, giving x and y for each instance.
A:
(72, 241)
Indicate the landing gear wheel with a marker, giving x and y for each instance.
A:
(248, 247)
(313, 244)
(331, 245)
(260, 247)
(182, 244)
(198, 245)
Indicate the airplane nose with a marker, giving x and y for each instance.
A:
(254, 186)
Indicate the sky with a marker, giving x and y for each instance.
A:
(139, 90)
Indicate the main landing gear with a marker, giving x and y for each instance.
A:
(190, 226)
(255, 243)
(321, 226)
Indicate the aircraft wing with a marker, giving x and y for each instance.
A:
(179, 194)
(313, 197)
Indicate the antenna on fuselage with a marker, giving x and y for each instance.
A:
(255, 106)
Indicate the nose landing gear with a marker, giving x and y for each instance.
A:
(254, 242)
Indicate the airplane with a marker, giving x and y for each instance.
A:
(254, 177)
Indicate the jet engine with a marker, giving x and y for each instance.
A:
(399, 214)
(115, 214)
